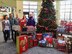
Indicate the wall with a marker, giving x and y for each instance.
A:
(11, 3)
(58, 12)
(19, 8)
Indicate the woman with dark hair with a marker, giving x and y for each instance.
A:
(6, 27)
(23, 22)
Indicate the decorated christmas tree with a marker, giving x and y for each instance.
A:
(47, 18)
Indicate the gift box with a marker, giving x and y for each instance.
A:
(60, 43)
(30, 41)
(50, 34)
(42, 43)
(45, 35)
(39, 36)
(22, 44)
(49, 41)
(61, 46)
(35, 42)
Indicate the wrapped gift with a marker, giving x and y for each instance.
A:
(22, 43)
(50, 34)
(42, 43)
(49, 41)
(31, 28)
(39, 36)
(61, 43)
(35, 42)
(30, 41)
(45, 35)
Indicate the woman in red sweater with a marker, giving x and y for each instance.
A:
(23, 22)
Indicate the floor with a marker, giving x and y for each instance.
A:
(10, 48)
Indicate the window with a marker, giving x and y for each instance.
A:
(54, 4)
(30, 6)
(66, 10)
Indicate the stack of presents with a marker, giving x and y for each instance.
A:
(62, 43)
(25, 42)
(65, 26)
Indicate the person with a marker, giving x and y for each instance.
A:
(23, 22)
(6, 27)
(31, 25)
(31, 21)
(11, 19)
(16, 27)
(17, 20)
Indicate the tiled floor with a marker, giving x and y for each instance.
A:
(10, 48)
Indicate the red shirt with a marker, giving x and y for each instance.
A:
(22, 22)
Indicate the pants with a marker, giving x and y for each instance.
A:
(11, 32)
(16, 33)
(6, 35)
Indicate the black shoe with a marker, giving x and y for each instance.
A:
(9, 39)
(5, 41)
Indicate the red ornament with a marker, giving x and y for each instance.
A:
(46, 28)
(45, 19)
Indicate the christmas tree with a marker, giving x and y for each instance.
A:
(47, 18)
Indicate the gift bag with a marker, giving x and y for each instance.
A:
(22, 44)
(16, 27)
(39, 36)
(35, 42)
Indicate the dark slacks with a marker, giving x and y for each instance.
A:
(6, 34)
(11, 32)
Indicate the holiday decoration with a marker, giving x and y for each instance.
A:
(35, 42)
(31, 28)
(49, 42)
(47, 18)
(30, 41)
(39, 36)
(22, 44)
(42, 43)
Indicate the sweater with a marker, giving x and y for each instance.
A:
(31, 22)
